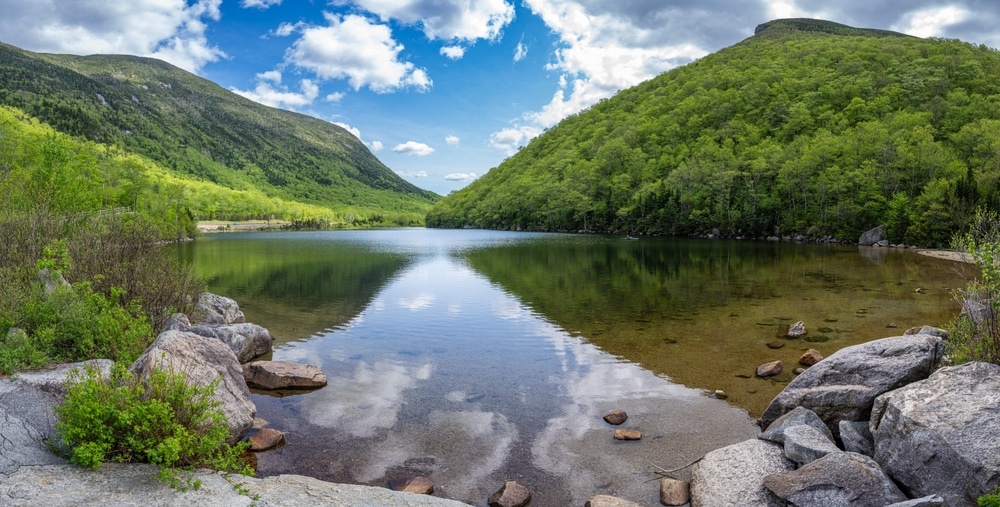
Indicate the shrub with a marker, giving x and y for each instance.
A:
(162, 420)
(73, 324)
(975, 335)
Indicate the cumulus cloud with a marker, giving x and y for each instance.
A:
(444, 19)
(412, 174)
(452, 140)
(605, 47)
(354, 48)
(353, 130)
(413, 149)
(259, 4)
(334, 97)
(460, 176)
(171, 31)
(931, 22)
(270, 92)
(453, 52)
(376, 146)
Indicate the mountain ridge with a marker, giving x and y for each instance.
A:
(198, 129)
(788, 132)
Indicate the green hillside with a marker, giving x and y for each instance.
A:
(198, 130)
(808, 127)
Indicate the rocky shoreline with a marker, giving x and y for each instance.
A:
(873, 424)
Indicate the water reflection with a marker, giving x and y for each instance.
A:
(446, 375)
(476, 357)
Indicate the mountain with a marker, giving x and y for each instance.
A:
(807, 127)
(197, 129)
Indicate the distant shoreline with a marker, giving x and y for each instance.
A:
(214, 226)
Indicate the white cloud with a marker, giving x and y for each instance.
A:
(520, 52)
(509, 140)
(270, 92)
(334, 97)
(352, 47)
(414, 149)
(453, 52)
(452, 140)
(931, 22)
(603, 48)
(460, 176)
(259, 4)
(172, 31)
(412, 174)
(376, 146)
(445, 19)
(273, 76)
(286, 29)
(353, 130)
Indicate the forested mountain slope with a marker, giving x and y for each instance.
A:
(198, 129)
(807, 127)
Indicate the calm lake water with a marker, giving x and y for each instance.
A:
(476, 357)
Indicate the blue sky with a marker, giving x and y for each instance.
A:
(443, 90)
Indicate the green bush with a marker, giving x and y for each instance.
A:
(162, 420)
(975, 336)
(73, 324)
(990, 500)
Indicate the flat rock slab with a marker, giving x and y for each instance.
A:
(283, 375)
(137, 486)
(840, 479)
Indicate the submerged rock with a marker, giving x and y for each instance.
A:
(770, 369)
(616, 417)
(511, 494)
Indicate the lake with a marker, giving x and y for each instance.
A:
(475, 357)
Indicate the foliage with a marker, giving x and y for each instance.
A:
(125, 287)
(989, 500)
(805, 128)
(162, 420)
(975, 335)
(73, 324)
(190, 129)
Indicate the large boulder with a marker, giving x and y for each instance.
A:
(202, 362)
(733, 475)
(872, 236)
(837, 479)
(940, 435)
(843, 386)
(215, 309)
(247, 340)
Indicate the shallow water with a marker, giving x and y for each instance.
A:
(475, 357)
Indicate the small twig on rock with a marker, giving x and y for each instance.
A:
(666, 473)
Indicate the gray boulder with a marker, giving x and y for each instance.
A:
(215, 309)
(805, 444)
(939, 436)
(837, 479)
(176, 322)
(733, 475)
(202, 362)
(857, 437)
(775, 432)
(872, 236)
(53, 280)
(246, 340)
(843, 386)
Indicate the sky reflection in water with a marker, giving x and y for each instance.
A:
(445, 375)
